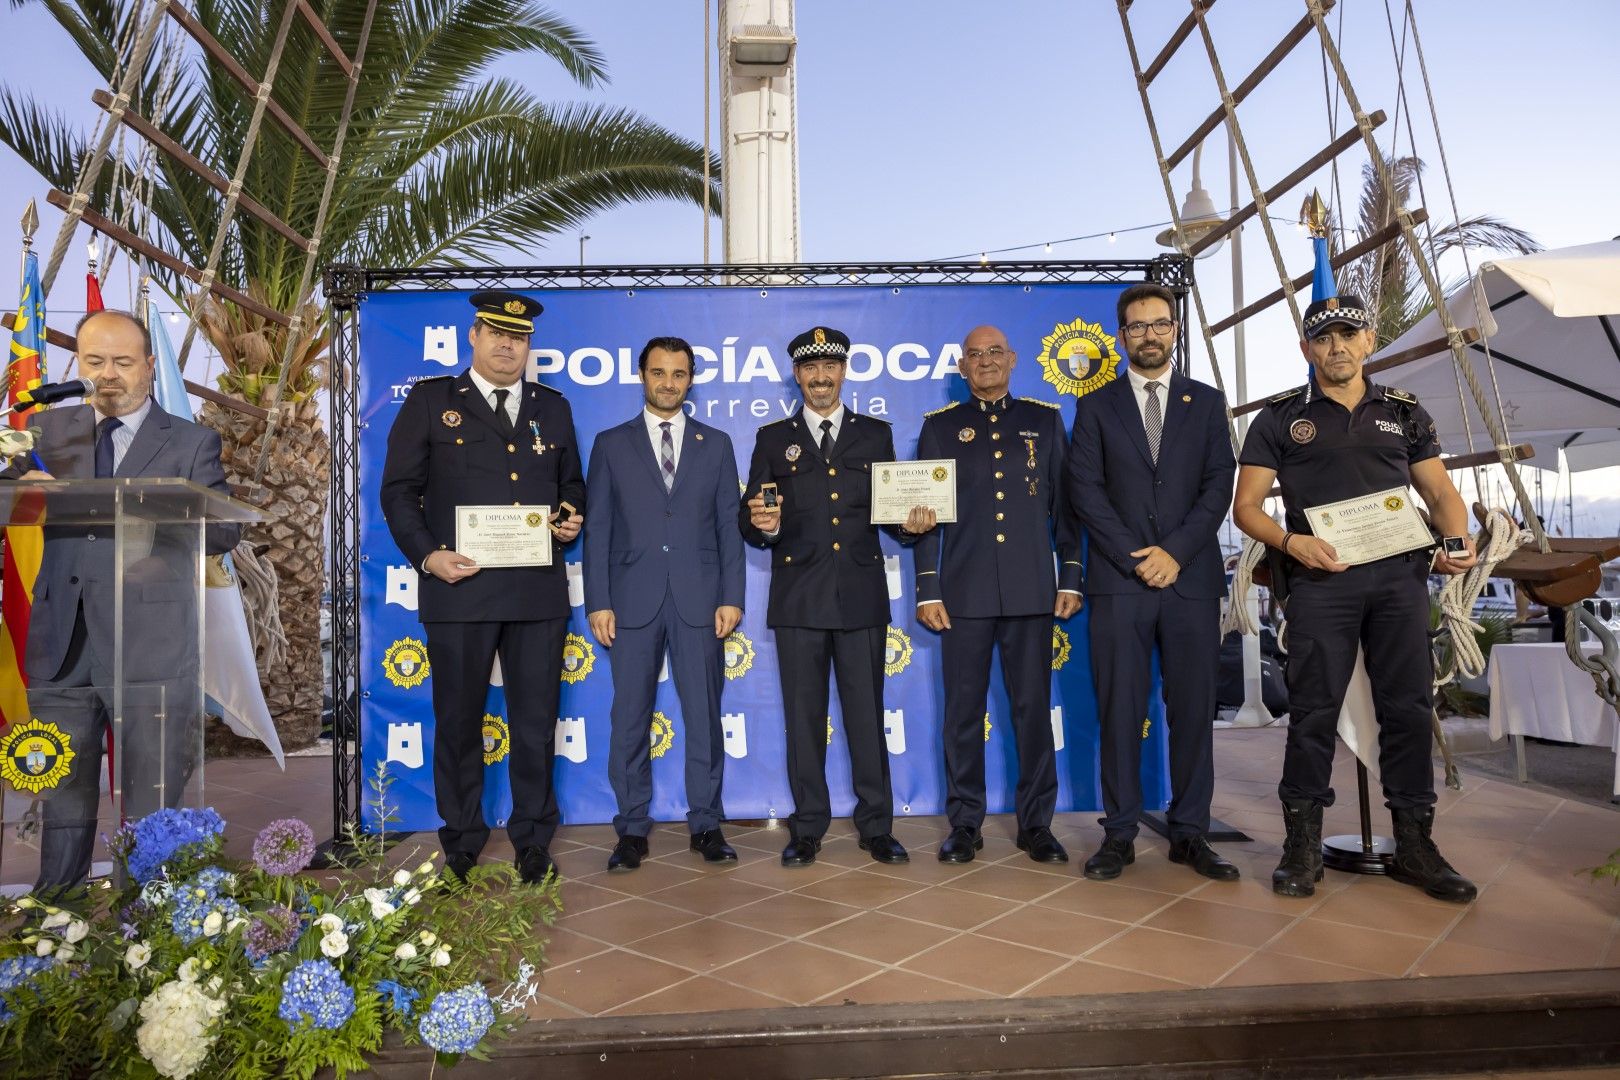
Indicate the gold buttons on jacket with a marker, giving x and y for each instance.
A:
(831, 471)
(1000, 539)
(1001, 494)
(836, 547)
(998, 455)
(787, 558)
(514, 476)
(999, 474)
(511, 449)
(999, 515)
(833, 496)
(995, 434)
(835, 521)
(460, 441)
(994, 418)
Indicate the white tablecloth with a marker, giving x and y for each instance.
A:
(1535, 690)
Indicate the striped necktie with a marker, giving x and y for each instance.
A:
(668, 457)
(1153, 420)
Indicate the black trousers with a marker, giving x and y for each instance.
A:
(158, 746)
(1382, 607)
(462, 655)
(1025, 643)
(805, 658)
(1124, 629)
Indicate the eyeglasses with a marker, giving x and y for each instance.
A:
(994, 352)
(1158, 326)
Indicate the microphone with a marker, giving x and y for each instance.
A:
(52, 392)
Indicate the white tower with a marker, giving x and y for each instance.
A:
(759, 138)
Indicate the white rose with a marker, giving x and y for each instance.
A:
(137, 955)
(54, 919)
(335, 944)
(190, 970)
(382, 909)
(406, 951)
(66, 953)
(44, 947)
(213, 924)
(428, 938)
(330, 922)
(440, 957)
(402, 877)
(76, 930)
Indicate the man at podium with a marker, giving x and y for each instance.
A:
(120, 432)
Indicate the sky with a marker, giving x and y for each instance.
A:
(937, 128)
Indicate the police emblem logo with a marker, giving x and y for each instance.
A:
(896, 651)
(579, 657)
(883, 475)
(738, 653)
(1394, 503)
(1186, 398)
(793, 451)
(450, 418)
(1327, 520)
(497, 739)
(406, 663)
(472, 520)
(1060, 647)
(35, 756)
(513, 307)
(1078, 357)
(940, 474)
(534, 520)
(1331, 303)
(966, 434)
(661, 735)
(1302, 431)
(820, 335)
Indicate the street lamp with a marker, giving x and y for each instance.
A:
(582, 239)
(762, 50)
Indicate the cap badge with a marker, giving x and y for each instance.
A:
(514, 307)
(820, 336)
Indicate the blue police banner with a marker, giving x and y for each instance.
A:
(906, 343)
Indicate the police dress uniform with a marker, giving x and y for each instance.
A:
(448, 448)
(828, 603)
(1324, 453)
(992, 570)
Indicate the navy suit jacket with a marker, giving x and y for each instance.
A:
(643, 543)
(1126, 503)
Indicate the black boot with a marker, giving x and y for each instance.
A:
(1418, 862)
(1301, 866)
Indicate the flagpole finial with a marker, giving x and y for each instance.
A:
(30, 222)
(1313, 214)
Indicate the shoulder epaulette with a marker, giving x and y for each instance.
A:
(432, 378)
(553, 389)
(1038, 401)
(1399, 395)
(942, 408)
(1278, 399)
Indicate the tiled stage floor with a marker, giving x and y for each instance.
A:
(678, 936)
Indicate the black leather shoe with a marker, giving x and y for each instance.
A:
(800, 851)
(1042, 845)
(1111, 859)
(457, 865)
(627, 854)
(533, 864)
(1196, 853)
(885, 849)
(713, 846)
(960, 845)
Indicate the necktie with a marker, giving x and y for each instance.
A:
(1153, 420)
(668, 457)
(104, 445)
(501, 416)
(826, 440)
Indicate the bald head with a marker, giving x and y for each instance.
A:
(987, 362)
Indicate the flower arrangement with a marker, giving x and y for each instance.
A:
(203, 967)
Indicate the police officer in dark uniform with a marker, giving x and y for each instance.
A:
(488, 437)
(1343, 436)
(829, 598)
(985, 582)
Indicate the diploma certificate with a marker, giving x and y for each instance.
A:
(497, 536)
(1371, 527)
(897, 486)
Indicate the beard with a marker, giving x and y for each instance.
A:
(1151, 358)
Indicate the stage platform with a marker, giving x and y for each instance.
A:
(949, 953)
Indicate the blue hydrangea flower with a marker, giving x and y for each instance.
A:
(401, 998)
(315, 991)
(457, 1020)
(16, 973)
(199, 898)
(159, 836)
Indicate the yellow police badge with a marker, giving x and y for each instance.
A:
(35, 756)
(896, 651)
(514, 307)
(406, 663)
(497, 739)
(820, 336)
(738, 652)
(662, 734)
(578, 658)
(1077, 357)
(1060, 647)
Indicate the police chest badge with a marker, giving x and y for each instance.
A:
(450, 418)
(793, 451)
(1302, 431)
(966, 434)
(35, 756)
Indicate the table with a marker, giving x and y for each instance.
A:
(1535, 690)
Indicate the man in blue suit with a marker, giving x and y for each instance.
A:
(664, 570)
(1150, 476)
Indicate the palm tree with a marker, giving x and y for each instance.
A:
(1387, 278)
(443, 163)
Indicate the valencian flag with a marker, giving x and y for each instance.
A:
(25, 368)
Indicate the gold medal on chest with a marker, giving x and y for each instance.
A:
(967, 434)
(450, 418)
(793, 451)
